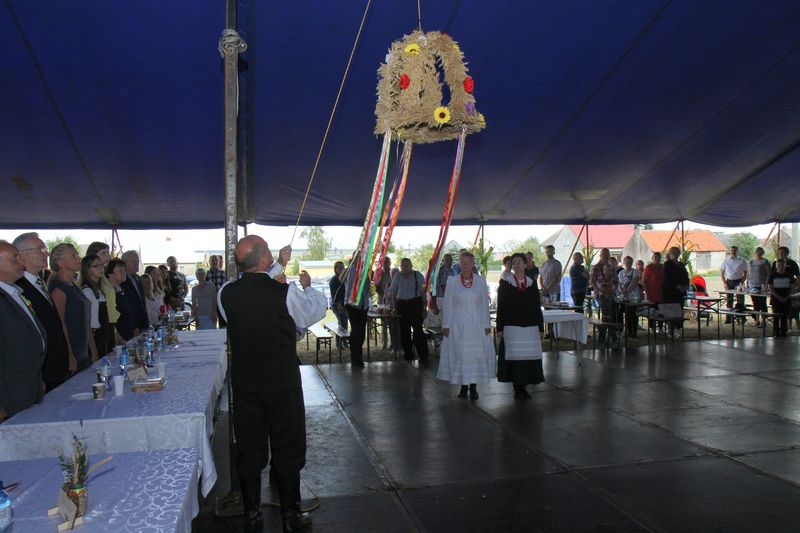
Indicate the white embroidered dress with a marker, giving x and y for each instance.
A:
(467, 355)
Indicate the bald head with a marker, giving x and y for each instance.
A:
(11, 268)
(253, 254)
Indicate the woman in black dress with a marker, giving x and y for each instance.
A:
(519, 327)
(116, 272)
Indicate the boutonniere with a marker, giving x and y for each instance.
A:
(27, 303)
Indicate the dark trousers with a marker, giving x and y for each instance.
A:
(732, 284)
(271, 422)
(780, 324)
(341, 318)
(759, 304)
(410, 312)
(358, 332)
(631, 320)
(578, 298)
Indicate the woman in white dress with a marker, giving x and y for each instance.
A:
(519, 326)
(467, 354)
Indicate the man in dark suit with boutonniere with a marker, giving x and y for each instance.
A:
(23, 341)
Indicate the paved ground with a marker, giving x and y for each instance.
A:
(692, 436)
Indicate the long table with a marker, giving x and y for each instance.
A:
(180, 416)
(135, 491)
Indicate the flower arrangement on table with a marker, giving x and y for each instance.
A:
(76, 474)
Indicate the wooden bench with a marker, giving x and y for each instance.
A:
(341, 333)
(763, 316)
(736, 316)
(597, 323)
(323, 338)
(664, 321)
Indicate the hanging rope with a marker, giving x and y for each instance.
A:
(447, 216)
(330, 119)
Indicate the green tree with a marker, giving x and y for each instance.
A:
(317, 243)
(746, 242)
(531, 244)
(58, 239)
(293, 268)
(484, 257)
(421, 257)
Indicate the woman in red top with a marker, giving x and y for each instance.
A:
(652, 278)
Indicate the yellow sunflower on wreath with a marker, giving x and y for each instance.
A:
(441, 115)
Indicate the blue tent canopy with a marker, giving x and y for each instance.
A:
(608, 112)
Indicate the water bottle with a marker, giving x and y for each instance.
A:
(123, 361)
(106, 364)
(6, 513)
(151, 332)
(148, 347)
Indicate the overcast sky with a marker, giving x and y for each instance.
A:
(156, 245)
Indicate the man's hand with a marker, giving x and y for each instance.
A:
(486, 331)
(499, 335)
(280, 278)
(284, 255)
(73, 363)
(3, 414)
(305, 279)
(446, 332)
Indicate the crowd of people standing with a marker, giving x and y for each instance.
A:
(66, 311)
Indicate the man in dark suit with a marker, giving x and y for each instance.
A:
(59, 361)
(264, 317)
(133, 288)
(23, 341)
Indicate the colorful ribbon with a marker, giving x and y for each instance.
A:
(396, 201)
(447, 215)
(369, 232)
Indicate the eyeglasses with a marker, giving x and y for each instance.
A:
(43, 250)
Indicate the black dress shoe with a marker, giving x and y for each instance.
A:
(473, 392)
(358, 364)
(296, 521)
(251, 499)
(463, 392)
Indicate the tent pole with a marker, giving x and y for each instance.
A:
(230, 46)
(566, 261)
(683, 239)
(779, 234)
(113, 235)
(671, 235)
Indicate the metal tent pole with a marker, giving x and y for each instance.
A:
(230, 46)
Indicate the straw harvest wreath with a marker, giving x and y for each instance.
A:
(420, 71)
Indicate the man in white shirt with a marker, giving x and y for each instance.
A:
(306, 305)
(264, 318)
(734, 274)
(23, 341)
(550, 273)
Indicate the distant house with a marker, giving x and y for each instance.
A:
(614, 237)
(317, 269)
(709, 251)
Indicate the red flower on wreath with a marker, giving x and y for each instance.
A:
(469, 84)
(405, 81)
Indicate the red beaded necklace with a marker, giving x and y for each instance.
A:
(467, 283)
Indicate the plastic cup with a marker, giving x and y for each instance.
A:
(98, 391)
(117, 350)
(162, 369)
(119, 385)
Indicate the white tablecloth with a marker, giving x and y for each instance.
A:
(180, 416)
(568, 324)
(135, 491)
